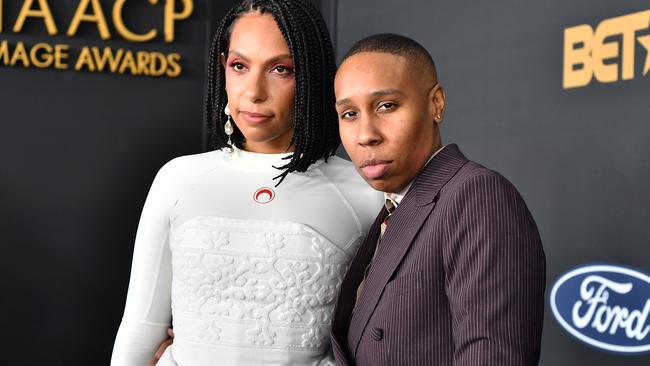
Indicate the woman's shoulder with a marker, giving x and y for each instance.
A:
(184, 164)
(185, 168)
(342, 172)
(364, 199)
(337, 165)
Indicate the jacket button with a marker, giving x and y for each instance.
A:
(377, 334)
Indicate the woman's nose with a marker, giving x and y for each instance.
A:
(256, 87)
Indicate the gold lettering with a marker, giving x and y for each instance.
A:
(603, 51)
(174, 65)
(645, 42)
(4, 52)
(158, 64)
(19, 54)
(43, 12)
(596, 50)
(118, 20)
(171, 16)
(97, 16)
(641, 21)
(143, 62)
(85, 60)
(626, 26)
(128, 62)
(577, 56)
(107, 56)
(47, 58)
(60, 56)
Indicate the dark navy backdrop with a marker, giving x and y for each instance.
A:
(78, 152)
(578, 156)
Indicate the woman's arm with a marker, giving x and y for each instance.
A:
(147, 313)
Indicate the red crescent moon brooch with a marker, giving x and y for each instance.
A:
(264, 195)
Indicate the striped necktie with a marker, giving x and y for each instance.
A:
(390, 207)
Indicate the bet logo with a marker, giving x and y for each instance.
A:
(264, 195)
(606, 53)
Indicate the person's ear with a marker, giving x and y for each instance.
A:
(437, 103)
(222, 57)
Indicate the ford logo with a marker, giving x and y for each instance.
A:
(606, 306)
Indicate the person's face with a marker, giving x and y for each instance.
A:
(388, 117)
(260, 83)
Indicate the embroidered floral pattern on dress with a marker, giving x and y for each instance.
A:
(252, 283)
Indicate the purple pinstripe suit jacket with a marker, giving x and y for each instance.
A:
(458, 278)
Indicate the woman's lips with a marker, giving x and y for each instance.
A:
(375, 168)
(255, 117)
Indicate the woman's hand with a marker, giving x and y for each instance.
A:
(163, 346)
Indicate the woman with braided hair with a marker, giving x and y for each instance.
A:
(246, 246)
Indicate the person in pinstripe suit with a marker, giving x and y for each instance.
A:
(452, 271)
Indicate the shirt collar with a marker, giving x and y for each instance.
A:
(396, 198)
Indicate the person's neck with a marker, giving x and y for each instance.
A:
(268, 148)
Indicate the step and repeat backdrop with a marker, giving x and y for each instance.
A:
(96, 95)
(555, 95)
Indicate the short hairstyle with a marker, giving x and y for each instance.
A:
(398, 45)
(316, 134)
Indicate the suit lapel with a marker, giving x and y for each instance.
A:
(404, 225)
(340, 355)
(347, 295)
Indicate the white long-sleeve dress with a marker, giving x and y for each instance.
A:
(249, 272)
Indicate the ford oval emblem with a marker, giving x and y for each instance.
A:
(606, 306)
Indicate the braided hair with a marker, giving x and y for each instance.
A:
(316, 134)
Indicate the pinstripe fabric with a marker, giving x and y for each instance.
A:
(458, 280)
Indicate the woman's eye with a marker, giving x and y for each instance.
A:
(238, 66)
(348, 115)
(280, 69)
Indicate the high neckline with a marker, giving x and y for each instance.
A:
(256, 160)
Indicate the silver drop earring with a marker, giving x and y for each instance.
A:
(228, 128)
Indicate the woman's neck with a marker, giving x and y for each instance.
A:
(266, 148)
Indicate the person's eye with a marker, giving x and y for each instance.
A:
(386, 106)
(282, 70)
(348, 115)
(238, 66)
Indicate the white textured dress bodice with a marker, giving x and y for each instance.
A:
(248, 271)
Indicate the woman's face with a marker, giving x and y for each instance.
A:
(260, 83)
